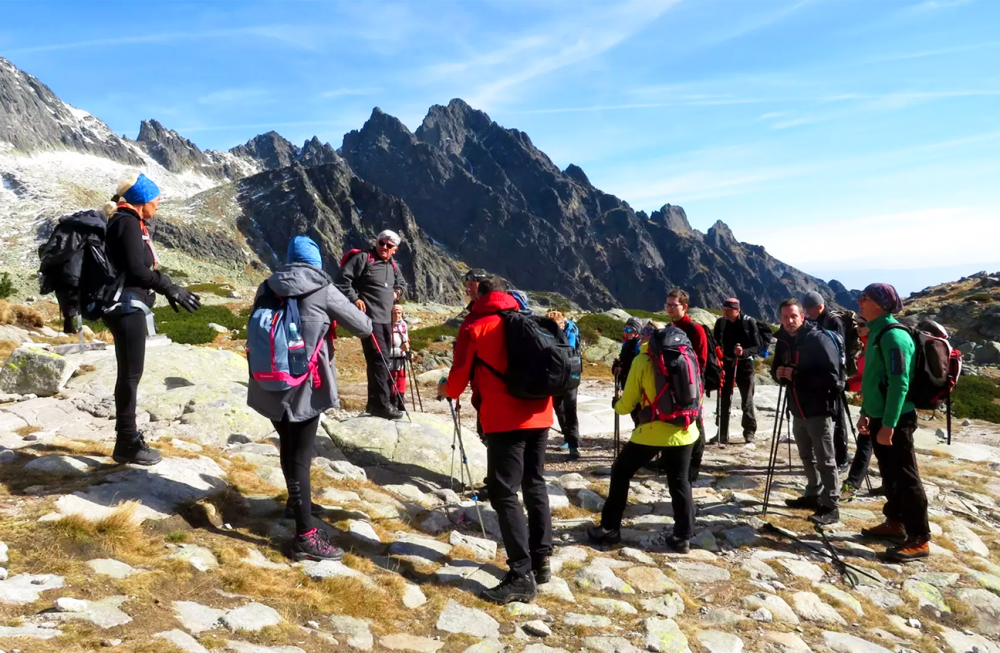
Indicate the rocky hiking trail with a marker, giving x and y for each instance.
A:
(187, 555)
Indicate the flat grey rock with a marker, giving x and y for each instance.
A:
(410, 643)
(196, 618)
(741, 536)
(787, 643)
(608, 644)
(810, 607)
(637, 556)
(456, 618)
(699, 572)
(612, 606)
(758, 569)
(27, 588)
(182, 640)
(197, 556)
(940, 580)
(985, 606)
(29, 632)
(649, 580)
(518, 609)
(600, 578)
(928, 596)
(357, 632)
(664, 636)
(63, 465)
(575, 619)
(244, 647)
(35, 371)
(802, 569)
(844, 643)
(421, 548)
(668, 606)
(881, 597)
(363, 532)
(105, 613)
(255, 558)
(113, 568)
(251, 618)
(840, 596)
(494, 646)
(776, 605)
(413, 596)
(536, 628)
(965, 539)
(320, 569)
(590, 500)
(481, 549)
(968, 643)
(716, 641)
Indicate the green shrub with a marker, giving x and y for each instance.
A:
(592, 326)
(6, 286)
(976, 397)
(217, 289)
(192, 328)
(647, 315)
(173, 274)
(420, 338)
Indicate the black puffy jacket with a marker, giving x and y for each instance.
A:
(817, 380)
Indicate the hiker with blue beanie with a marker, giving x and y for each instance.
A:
(129, 246)
(295, 412)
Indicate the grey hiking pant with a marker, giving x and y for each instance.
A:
(814, 438)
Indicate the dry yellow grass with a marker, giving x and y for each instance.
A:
(116, 535)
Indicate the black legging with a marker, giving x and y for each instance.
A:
(129, 331)
(297, 441)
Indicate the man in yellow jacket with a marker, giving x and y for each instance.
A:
(651, 437)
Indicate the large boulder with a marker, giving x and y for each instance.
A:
(420, 448)
(988, 354)
(703, 317)
(603, 351)
(31, 370)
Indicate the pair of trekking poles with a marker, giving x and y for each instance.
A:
(783, 411)
(392, 385)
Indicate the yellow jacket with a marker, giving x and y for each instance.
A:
(656, 433)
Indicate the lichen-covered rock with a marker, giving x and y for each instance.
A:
(30, 370)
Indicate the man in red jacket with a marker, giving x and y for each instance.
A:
(677, 308)
(516, 431)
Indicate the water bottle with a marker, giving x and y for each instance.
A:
(298, 361)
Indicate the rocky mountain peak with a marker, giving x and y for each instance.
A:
(577, 174)
(272, 150)
(170, 149)
(34, 119)
(674, 218)
(720, 235)
(315, 153)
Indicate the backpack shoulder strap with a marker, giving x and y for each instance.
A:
(888, 328)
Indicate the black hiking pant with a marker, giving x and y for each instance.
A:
(840, 428)
(516, 461)
(569, 423)
(377, 358)
(905, 500)
(129, 330)
(298, 440)
(676, 462)
(862, 457)
(745, 382)
(698, 448)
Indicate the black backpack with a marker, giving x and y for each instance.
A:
(712, 375)
(540, 362)
(764, 335)
(60, 258)
(678, 381)
(100, 283)
(852, 339)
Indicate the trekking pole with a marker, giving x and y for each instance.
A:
(413, 381)
(777, 530)
(79, 333)
(788, 421)
(465, 462)
(854, 432)
(617, 427)
(948, 417)
(409, 357)
(393, 390)
(773, 457)
(838, 562)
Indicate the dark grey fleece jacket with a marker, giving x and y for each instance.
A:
(366, 276)
(319, 303)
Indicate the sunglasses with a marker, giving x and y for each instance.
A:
(628, 330)
(864, 298)
(387, 244)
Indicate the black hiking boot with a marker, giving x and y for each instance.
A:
(825, 516)
(315, 510)
(389, 414)
(679, 545)
(542, 571)
(135, 452)
(314, 545)
(601, 535)
(513, 587)
(808, 503)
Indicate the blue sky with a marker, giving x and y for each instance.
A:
(851, 139)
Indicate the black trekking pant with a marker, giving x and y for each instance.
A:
(698, 448)
(129, 330)
(379, 383)
(298, 440)
(516, 461)
(676, 462)
(745, 382)
(862, 457)
(840, 428)
(905, 500)
(569, 423)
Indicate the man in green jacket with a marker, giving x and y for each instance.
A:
(887, 416)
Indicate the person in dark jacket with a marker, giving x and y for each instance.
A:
(738, 336)
(516, 433)
(130, 249)
(677, 308)
(295, 413)
(815, 309)
(565, 405)
(807, 361)
(622, 365)
(371, 280)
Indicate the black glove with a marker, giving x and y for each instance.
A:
(614, 401)
(177, 295)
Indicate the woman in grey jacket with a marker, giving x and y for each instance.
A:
(295, 413)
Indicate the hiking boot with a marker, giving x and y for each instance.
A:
(601, 535)
(887, 530)
(389, 414)
(825, 516)
(748, 438)
(542, 570)
(315, 545)
(848, 491)
(808, 503)
(679, 545)
(513, 587)
(878, 491)
(913, 548)
(574, 453)
(135, 452)
(315, 510)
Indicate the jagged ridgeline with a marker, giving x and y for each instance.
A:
(463, 190)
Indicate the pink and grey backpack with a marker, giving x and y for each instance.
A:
(678, 382)
(276, 351)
